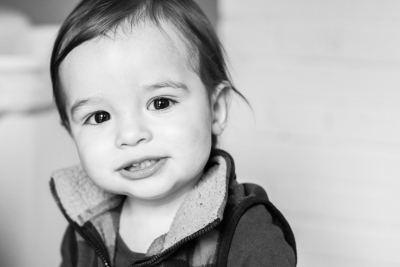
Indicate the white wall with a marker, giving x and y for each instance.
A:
(323, 79)
(31, 147)
(31, 226)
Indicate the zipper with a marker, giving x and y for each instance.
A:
(100, 253)
(96, 249)
(202, 231)
(80, 231)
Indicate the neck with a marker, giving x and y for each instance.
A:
(163, 208)
(154, 208)
(147, 220)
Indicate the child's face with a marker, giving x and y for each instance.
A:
(140, 117)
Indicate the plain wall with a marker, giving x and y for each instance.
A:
(323, 79)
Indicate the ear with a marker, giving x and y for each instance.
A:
(219, 106)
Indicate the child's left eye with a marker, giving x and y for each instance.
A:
(161, 103)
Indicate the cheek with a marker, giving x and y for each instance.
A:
(92, 152)
(192, 132)
(85, 153)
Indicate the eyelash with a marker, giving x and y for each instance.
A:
(171, 104)
(93, 116)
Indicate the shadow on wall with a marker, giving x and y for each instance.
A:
(5, 257)
(43, 11)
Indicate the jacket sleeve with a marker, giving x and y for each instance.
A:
(258, 242)
(69, 248)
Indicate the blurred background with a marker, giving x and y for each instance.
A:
(322, 78)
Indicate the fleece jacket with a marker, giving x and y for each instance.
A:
(220, 223)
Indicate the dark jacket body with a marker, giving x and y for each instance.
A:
(231, 224)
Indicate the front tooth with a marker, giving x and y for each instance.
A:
(151, 162)
(145, 163)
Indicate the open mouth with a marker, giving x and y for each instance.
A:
(142, 168)
(141, 165)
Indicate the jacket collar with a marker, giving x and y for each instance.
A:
(82, 201)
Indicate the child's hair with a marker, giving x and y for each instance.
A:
(95, 18)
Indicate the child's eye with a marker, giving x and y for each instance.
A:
(98, 117)
(161, 103)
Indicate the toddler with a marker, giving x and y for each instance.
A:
(142, 88)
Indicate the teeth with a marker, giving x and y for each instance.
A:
(142, 165)
(146, 163)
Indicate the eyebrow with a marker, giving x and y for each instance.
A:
(85, 101)
(95, 100)
(168, 83)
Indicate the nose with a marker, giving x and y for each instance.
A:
(132, 131)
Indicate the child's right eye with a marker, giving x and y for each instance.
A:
(98, 117)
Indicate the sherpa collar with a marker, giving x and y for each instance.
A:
(83, 201)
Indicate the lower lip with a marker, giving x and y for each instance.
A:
(143, 173)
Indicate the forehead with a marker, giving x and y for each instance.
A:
(130, 55)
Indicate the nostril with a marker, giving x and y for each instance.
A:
(140, 140)
(129, 144)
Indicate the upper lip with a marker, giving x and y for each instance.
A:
(138, 160)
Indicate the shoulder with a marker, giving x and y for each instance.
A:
(257, 241)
